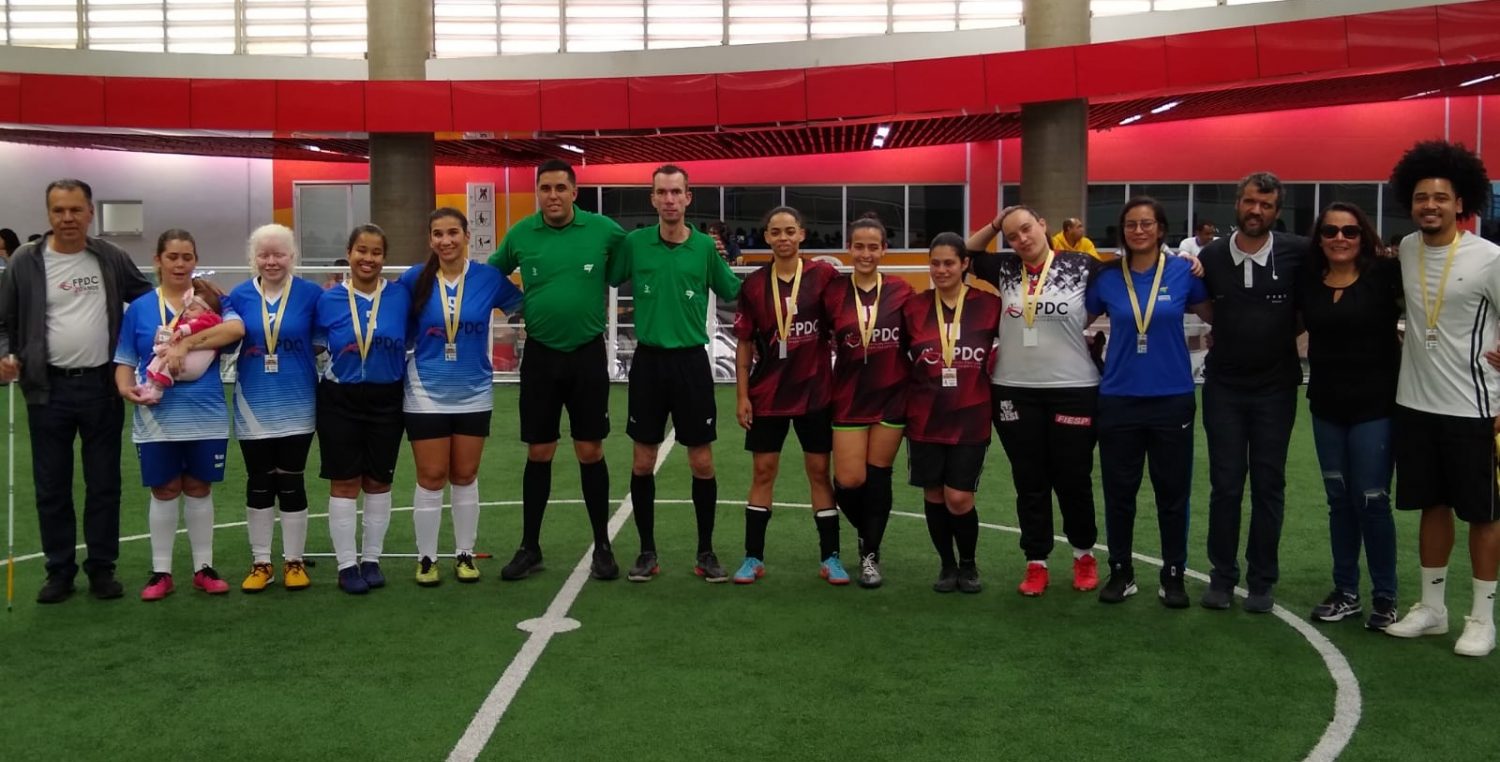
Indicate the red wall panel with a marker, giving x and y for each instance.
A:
(984, 183)
(1131, 66)
(232, 104)
(1302, 46)
(679, 101)
(585, 104)
(1205, 58)
(940, 84)
(10, 97)
(320, 106)
(61, 99)
(1469, 30)
(835, 92)
(510, 106)
(1030, 76)
(1394, 37)
(932, 165)
(147, 102)
(408, 107)
(759, 97)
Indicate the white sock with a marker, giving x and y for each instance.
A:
(260, 523)
(465, 516)
(341, 528)
(293, 534)
(377, 520)
(1082, 552)
(1435, 587)
(162, 518)
(1042, 564)
(198, 514)
(1484, 601)
(427, 519)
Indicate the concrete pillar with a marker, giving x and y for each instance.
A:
(402, 182)
(1054, 135)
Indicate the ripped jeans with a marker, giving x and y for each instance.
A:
(1357, 461)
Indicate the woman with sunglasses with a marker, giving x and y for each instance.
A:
(1354, 355)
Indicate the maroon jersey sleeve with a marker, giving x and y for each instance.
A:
(869, 383)
(799, 382)
(959, 414)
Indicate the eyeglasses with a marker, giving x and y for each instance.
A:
(1350, 232)
(1143, 225)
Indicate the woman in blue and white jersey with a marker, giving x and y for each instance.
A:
(274, 406)
(181, 439)
(448, 385)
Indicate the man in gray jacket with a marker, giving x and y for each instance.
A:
(61, 303)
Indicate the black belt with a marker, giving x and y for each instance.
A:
(53, 370)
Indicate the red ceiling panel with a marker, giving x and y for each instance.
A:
(147, 102)
(1204, 58)
(1131, 66)
(61, 99)
(682, 101)
(1468, 30)
(762, 97)
(1377, 40)
(233, 104)
(835, 92)
(320, 106)
(510, 106)
(1297, 47)
(585, 104)
(940, 84)
(408, 107)
(10, 97)
(1030, 76)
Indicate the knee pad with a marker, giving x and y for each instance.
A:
(260, 491)
(292, 492)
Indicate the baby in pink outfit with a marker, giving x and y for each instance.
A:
(198, 316)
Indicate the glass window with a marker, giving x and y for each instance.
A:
(325, 213)
(602, 25)
(888, 202)
(1175, 198)
(935, 209)
(684, 24)
(588, 198)
(630, 207)
(1104, 202)
(822, 208)
(752, 21)
(1363, 195)
(529, 26)
(1395, 220)
(705, 207)
(1297, 209)
(1010, 195)
(1215, 203)
(743, 209)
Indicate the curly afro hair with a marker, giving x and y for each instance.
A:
(1450, 161)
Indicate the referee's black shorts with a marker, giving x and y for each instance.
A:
(1445, 460)
(359, 430)
(552, 380)
(678, 382)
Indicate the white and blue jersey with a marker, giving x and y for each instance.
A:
(435, 384)
(1165, 369)
(189, 410)
(280, 404)
(386, 361)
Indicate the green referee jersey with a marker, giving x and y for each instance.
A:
(671, 286)
(564, 273)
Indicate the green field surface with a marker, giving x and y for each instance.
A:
(788, 668)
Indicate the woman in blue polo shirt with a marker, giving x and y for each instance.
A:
(448, 386)
(181, 439)
(361, 324)
(1146, 395)
(274, 407)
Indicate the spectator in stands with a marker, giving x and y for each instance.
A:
(1202, 236)
(1071, 238)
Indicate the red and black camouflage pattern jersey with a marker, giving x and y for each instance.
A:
(801, 381)
(958, 414)
(869, 384)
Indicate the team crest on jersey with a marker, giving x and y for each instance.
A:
(1008, 411)
(588, 268)
(689, 293)
(646, 289)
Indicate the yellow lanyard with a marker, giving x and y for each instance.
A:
(1029, 303)
(272, 327)
(452, 315)
(867, 319)
(369, 334)
(784, 315)
(1437, 304)
(161, 304)
(1142, 324)
(948, 340)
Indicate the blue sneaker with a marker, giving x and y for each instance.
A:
(352, 582)
(833, 570)
(370, 570)
(752, 569)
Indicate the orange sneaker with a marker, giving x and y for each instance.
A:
(1035, 582)
(1085, 573)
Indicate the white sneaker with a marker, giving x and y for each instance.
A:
(1420, 620)
(1478, 638)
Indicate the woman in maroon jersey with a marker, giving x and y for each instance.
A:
(950, 333)
(783, 381)
(870, 373)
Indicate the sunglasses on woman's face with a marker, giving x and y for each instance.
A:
(1350, 232)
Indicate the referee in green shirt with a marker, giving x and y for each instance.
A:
(673, 267)
(568, 258)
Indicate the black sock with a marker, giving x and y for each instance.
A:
(536, 488)
(851, 500)
(643, 503)
(941, 532)
(877, 506)
(827, 520)
(756, 519)
(966, 535)
(705, 502)
(595, 480)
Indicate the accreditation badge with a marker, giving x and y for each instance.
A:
(273, 363)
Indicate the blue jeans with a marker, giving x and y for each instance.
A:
(1357, 461)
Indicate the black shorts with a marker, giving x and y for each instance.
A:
(957, 466)
(552, 380)
(677, 382)
(1446, 460)
(421, 426)
(359, 430)
(287, 454)
(814, 431)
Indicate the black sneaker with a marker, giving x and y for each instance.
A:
(604, 566)
(1382, 614)
(523, 564)
(645, 567)
(56, 589)
(1173, 593)
(947, 580)
(1259, 603)
(104, 586)
(1121, 585)
(1337, 607)
(709, 568)
(968, 578)
(1216, 598)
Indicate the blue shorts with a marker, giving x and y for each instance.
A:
(161, 462)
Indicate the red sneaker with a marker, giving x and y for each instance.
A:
(1085, 573)
(1035, 582)
(158, 587)
(207, 580)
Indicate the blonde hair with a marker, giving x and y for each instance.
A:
(273, 234)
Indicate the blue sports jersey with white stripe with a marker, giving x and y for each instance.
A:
(386, 362)
(280, 404)
(189, 410)
(435, 384)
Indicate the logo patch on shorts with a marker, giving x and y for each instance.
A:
(1073, 420)
(1008, 411)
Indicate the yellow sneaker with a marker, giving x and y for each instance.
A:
(464, 568)
(261, 577)
(427, 573)
(294, 576)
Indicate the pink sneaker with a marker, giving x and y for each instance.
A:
(207, 580)
(158, 587)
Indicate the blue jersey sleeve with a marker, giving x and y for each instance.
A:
(1093, 301)
(507, 297)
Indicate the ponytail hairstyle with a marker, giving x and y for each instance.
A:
(423, 290)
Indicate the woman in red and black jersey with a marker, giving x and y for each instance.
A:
(950, 333)
(870, 374)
